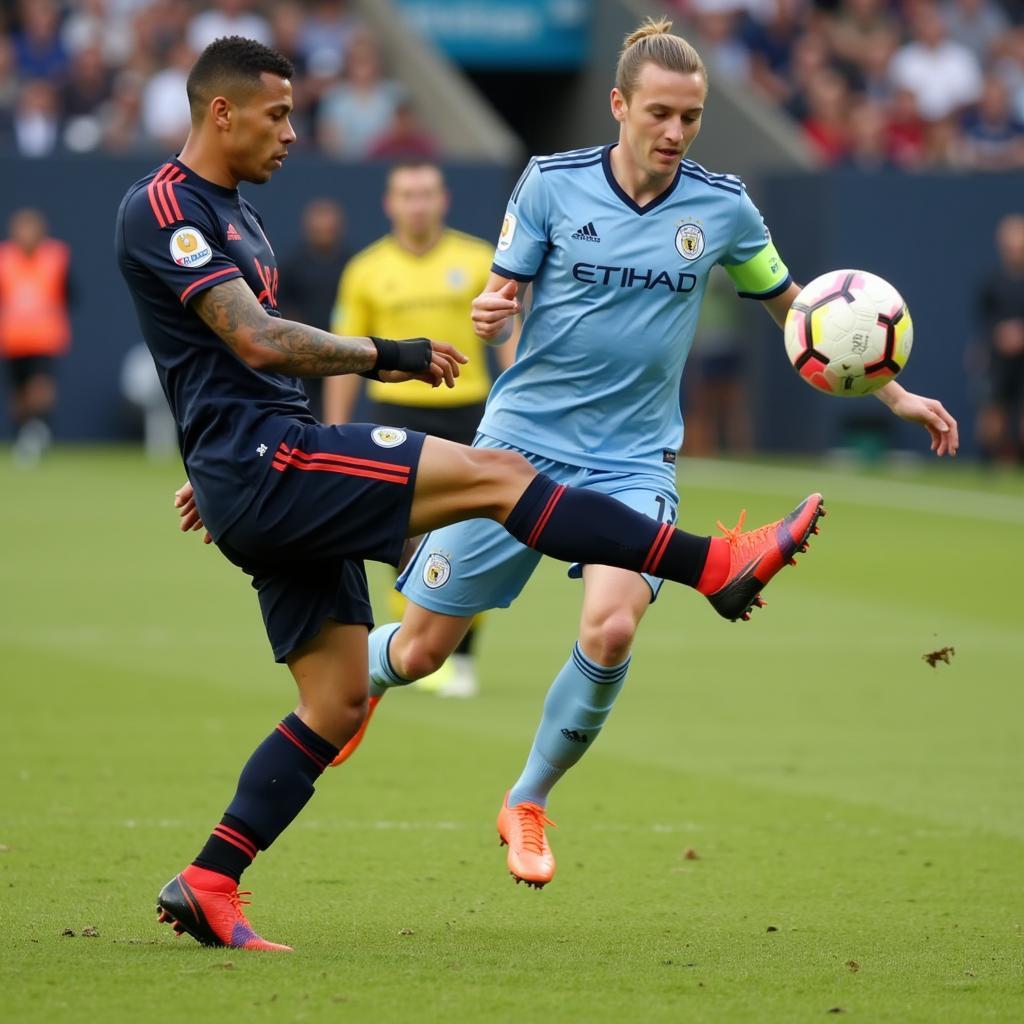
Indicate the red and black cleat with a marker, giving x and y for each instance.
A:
(755, 556)
(212, 915)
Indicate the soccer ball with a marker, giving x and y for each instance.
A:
(848, 333)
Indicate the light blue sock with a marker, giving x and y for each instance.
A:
(575, 709)
(382, 673)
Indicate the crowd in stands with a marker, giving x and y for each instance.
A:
(880, 83)
(109, 75)
(873, 83)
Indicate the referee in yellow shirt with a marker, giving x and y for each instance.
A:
(419, 281)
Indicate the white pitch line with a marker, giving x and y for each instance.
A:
(856, 490)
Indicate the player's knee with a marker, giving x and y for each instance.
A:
(336, 717)
(420, 657)
(608, 638)
(502, 476)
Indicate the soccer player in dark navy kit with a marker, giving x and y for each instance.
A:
(298, 505)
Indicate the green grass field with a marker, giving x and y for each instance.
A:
(858, 816)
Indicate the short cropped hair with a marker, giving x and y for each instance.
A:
(230, 65)
(654, 43)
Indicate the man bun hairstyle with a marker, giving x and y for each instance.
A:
(653, 43)
(229, 66)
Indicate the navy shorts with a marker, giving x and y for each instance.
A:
(332, 497)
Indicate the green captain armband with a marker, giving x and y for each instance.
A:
(762, 277)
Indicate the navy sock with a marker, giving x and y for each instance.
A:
(275, 784)
(577, 525)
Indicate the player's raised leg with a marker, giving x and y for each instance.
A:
(575, 710)
(579, 525)
(275, 784)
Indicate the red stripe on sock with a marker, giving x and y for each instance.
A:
(289, 735)
(657, 549)
(234, 842)
(538, 528)
(231, 833)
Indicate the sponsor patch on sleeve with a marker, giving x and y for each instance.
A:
(189, 248)
(508, 232)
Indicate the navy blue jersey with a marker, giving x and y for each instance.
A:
(177, 235)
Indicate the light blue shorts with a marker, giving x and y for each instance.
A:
(476, 565)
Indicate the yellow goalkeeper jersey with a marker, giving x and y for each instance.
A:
(389, 292)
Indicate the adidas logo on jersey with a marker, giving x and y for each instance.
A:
(587, 233)
(233, 235)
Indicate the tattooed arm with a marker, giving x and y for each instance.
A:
(265, 342)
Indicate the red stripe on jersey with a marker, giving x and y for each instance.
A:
(167, 187)
(350, 460)
(538, 529)
(151, 191)
(209, 277)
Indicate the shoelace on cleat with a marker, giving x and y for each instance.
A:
(532, 820)
(743, 543)
(236, 901)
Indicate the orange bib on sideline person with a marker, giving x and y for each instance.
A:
(33, 300)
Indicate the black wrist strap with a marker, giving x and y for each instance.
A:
(411, 355)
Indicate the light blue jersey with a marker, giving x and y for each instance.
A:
(616, 294)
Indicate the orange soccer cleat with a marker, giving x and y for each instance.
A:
(521, 828)
(350, 748)
(208, 906)
(754, 557)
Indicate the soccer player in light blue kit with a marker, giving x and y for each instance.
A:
(617, 243)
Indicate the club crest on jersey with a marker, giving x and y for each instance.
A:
(438, 570)
(690, 241)
(388, 437)
(508, 232)
(189, 248)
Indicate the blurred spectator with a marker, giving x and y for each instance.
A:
(721, 45)
(8, 88)
(360, 107)
(37, 119)
(34, 326)
(874, 69)
(86, 90)
(809, 58)
(157, 27)
(94, 23)
(771, 43)
(993, 137)
(310, 272)
(122, 117)
(868, 137)
(1000, 426)
(906, 131)
(227, 18)
(1010, 68)
(404, 137)
(38, 49)
(825, 125)
(326, 38)
(717, 404)
(855, 29)
(976, 24)
(944, 76)
(166, 117)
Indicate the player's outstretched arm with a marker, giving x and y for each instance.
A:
(494, 310)
(264, 342)
(929, 412)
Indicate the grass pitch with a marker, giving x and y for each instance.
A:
(856, 814)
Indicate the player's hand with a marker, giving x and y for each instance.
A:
(490, 310)
(929, 412)
(185, 503)
(445, 360)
